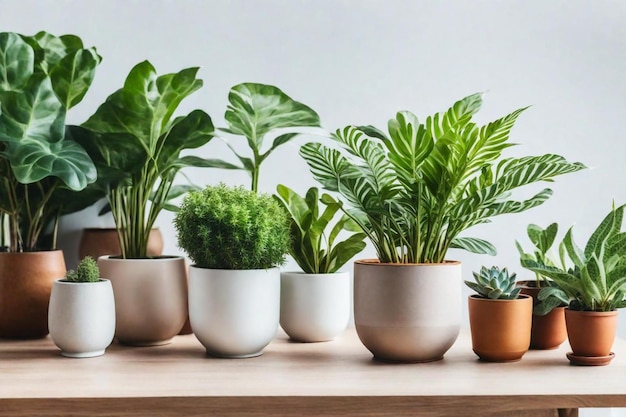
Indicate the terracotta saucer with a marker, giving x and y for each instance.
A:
(590, 360)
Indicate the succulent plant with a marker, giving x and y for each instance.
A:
(494, 284)
(87, 271)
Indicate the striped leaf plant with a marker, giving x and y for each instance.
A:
(417, 187)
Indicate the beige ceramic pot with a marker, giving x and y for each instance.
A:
(150, 298)
(500, 328)
(97, 242)
(25, 283)
(407, 312)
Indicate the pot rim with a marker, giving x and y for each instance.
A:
(376, 262)
(160, 258)
(310, 275)
(591, 313)
(33, 253)
(63, 281)
(237, 270)
(520, 297)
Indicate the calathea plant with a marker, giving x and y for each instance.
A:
(416, 188)
(41, 78)
(313, 245)
(135, 141)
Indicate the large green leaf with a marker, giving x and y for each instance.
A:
(51, 49)
(609, 226)
(17, 60)
(72, 76)
(474, 245)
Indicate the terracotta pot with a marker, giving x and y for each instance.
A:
(549, 331)
(500, 328)
(25, 284)
(96, 242)
(591, 333)
(150, 298)
(407, 312)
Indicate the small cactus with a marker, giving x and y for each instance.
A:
(87, 271)
(494, 283)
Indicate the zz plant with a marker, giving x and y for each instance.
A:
(313, 244)
(494, 284)
(416, 188)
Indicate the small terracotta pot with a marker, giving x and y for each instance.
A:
(96, 242)
(591, 333)
(500, 328)
(549, 331)
(25, 283)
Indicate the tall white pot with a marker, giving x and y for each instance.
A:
(407, 312)
(314, 307)
(234, 313)
(81, 317)
(150, 298)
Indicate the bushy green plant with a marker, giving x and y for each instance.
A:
(414, 189)
(593, 279)
(225, 227)
(313, 247)
(494, 284)
(87, 271)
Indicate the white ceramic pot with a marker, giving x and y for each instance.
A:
(314, 307)
(81, 317)
(150, 298)
(234, 313)
(407, 312)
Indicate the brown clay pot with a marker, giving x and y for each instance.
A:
(25, 284)
(591, 333)
(96, 242)
(500, 328)
(548, 332)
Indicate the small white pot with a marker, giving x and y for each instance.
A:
(314, 307)
(234, 313)
(81, 317)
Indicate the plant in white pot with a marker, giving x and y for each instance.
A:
(236, 240)
(413, 191)
(592, 283)
(136, 143)
(82, 312)
(315, 303)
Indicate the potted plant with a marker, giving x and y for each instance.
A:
(41, 78)
(315, 303)
(500, 317)
(236, 239)
(82, 312)
(136, 143)
(548, 330)
(592, 283)
(413, 191)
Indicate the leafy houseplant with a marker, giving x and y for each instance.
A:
(257, 111)
(500, 317)
(315, 304)
(236, 238)
(41, 78)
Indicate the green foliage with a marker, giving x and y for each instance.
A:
(41, 78)
(414, 189)
(135, 141)
(596, 277)
(222, 227)
(87, 271)
(257, 111)
(494, 284)
(313, 236)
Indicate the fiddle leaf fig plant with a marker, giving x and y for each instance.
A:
(136, 144)
(41, 78)
(256, 111)
(416, 188)
(313, 245)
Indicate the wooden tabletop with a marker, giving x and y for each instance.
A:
(320, 379)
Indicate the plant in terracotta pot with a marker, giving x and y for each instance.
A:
(592, 283)
(136, 144)
(500, 317)
(236, 240)
(41, 78)
(414, 190)
(548, 330)
(315, 303)
(82, 312)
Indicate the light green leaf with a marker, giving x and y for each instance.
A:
(16, 61)
(474, 245)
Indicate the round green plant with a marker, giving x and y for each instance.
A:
(225, 227)
(87, 271)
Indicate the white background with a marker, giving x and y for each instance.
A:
(360, 61)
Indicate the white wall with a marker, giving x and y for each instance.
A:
(359, 61)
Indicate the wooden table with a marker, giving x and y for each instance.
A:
(293, 379)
